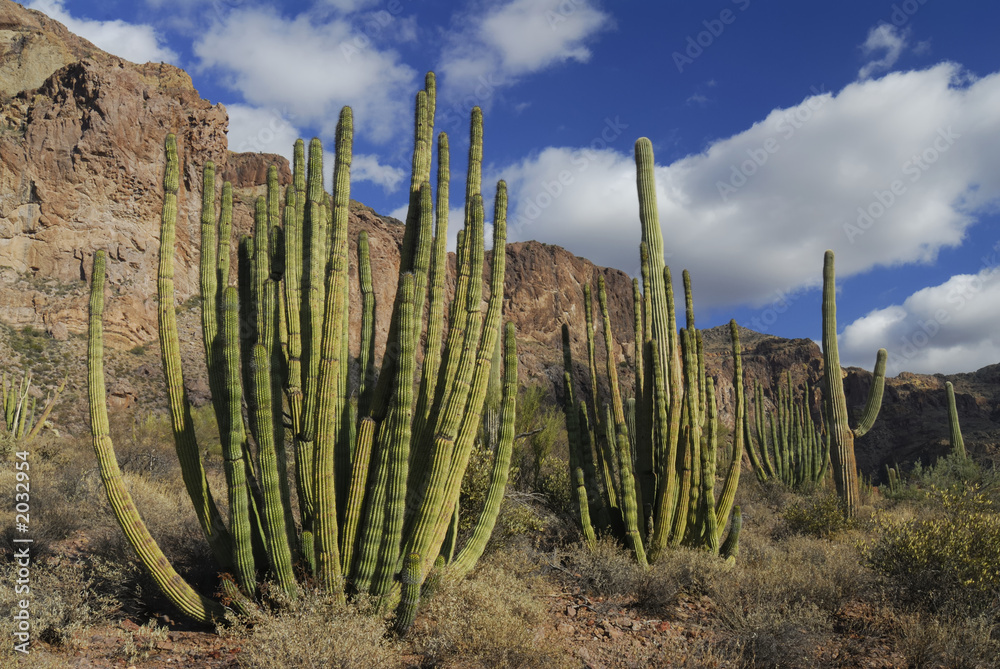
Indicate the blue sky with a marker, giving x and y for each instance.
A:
(780, 129)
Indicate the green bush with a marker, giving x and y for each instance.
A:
(821, 515)
(950, 561)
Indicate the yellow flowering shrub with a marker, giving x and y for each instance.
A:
(947, 561)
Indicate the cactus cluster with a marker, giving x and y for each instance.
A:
(18, 406)
(653, 479)
(841, 435)
(379, 463)
(789, 446)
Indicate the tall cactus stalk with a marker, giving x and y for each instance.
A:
(845, 469)
(954, 429)
(378, 466)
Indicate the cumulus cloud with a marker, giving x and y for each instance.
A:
(888, 40)
(138, 43)
(261, 129)
(947, 328)
(510, 39)
(309, 69)
(861, 172)
(366, 167)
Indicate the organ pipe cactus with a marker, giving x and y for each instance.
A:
(378, 465)
(954, 429)
(659, 486)
(18, 408)
(786, 444)
(842, 436)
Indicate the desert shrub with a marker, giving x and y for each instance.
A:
(610, 570)
(313, 630)
(492, 619)
(821, 515)
(939, 641)
(946, 562)
(66, 599)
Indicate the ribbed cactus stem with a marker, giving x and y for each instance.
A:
(483, 528)
(954, 429)
(177, 590)
(185, 442)
(845, 474)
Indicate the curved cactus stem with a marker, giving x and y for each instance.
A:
(731, 546)
(176, 589)
(473, 550)
(874, 402)
(410, 600)
(728, 494)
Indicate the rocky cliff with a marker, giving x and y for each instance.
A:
(81, 164)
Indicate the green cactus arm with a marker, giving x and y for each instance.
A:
(731, 546)
(366, 361)
(395, 431)
(185, 442)
(328, 427)
(339, 252)
(874, 402)
(356, 495)
(314, 259)
(209, 284)
(177, 590)
(410, 596)
(435, 310)
(473, 550)
(732, 481)
(232, 437)
(707, 518)
(629, 505)
(954, 429)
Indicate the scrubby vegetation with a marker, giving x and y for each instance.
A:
(911, 582)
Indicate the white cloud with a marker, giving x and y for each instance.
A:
(311, 68)
(947, 328)
(754, 212)
(254, 129)
(138, 43)
(348, 6)
(365, 167)
(884, 38)
(514, 38)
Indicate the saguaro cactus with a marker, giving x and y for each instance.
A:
(379, 466)
(845, 469)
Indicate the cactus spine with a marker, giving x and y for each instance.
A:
(845, 470)
(378, 466)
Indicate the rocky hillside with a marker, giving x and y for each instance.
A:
(81, 163)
